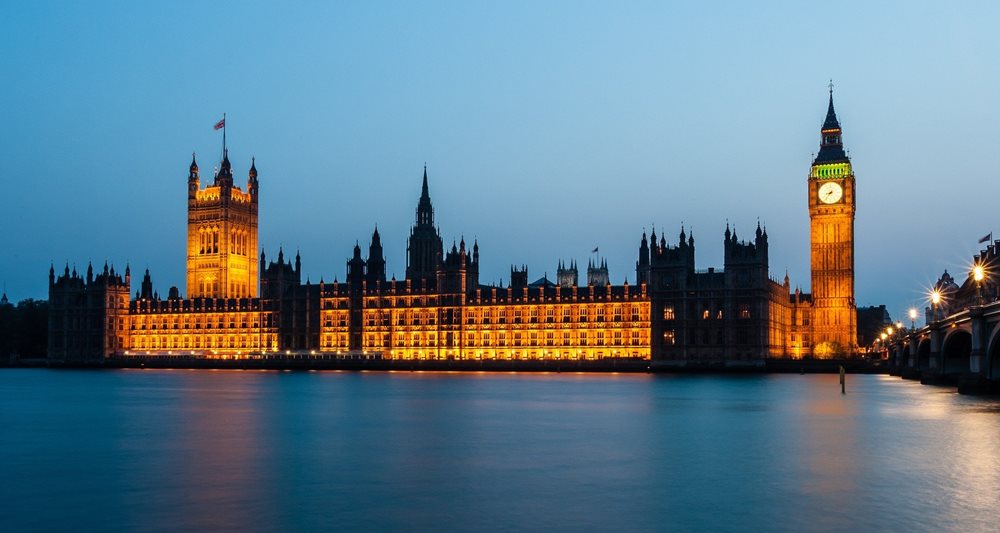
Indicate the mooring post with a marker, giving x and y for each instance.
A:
(843, 373)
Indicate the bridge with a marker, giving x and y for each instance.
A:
(960, 341)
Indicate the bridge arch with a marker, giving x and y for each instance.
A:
(956, 351)
(993, 354)
(924, 354)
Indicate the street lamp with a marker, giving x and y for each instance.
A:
(913, 317)
(978, 274)
(935, 302)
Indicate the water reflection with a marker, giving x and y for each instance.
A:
(155, 450)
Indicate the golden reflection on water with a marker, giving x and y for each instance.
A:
(830, 442)
(223, 452)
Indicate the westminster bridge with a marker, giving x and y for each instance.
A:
(960, 348)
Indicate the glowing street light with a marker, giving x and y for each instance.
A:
(889, 330)
(978, 274)
(913, 317)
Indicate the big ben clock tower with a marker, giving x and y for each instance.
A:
(831, 215)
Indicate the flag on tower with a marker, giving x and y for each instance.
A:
(220, 124)
(594, 251)
(987, 238)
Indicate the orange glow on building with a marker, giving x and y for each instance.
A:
(240, 305)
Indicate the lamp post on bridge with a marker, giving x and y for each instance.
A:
(913, 318)
(978, 274)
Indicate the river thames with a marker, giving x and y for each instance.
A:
(144, 450)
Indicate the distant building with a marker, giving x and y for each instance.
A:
(238, 303)
(872, 321)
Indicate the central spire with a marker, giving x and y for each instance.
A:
(425, 211)
(423, 190)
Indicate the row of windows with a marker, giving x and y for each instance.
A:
(633, 337)
(520, 355)
(155, 342)
(221, 321)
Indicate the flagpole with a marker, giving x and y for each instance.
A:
(223, 135)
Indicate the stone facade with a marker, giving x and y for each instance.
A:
(674, 314)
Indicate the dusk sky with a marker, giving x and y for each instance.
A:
(548, 129)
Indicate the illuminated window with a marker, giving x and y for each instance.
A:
(705, 314)
(668, 313)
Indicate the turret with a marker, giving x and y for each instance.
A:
(376, 260)
(252, 184)
(597, 273)
(224, 178)
(194, 182)
(356, 269)
(147, 287)
(642, 265)
(518, 277)
(761, 238)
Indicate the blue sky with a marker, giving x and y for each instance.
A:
(548, 128)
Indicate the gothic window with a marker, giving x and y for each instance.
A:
(668, 313)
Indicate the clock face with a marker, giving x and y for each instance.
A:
(830, 192)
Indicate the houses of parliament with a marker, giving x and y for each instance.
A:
(241, 304)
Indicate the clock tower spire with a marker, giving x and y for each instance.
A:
(831, 215)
